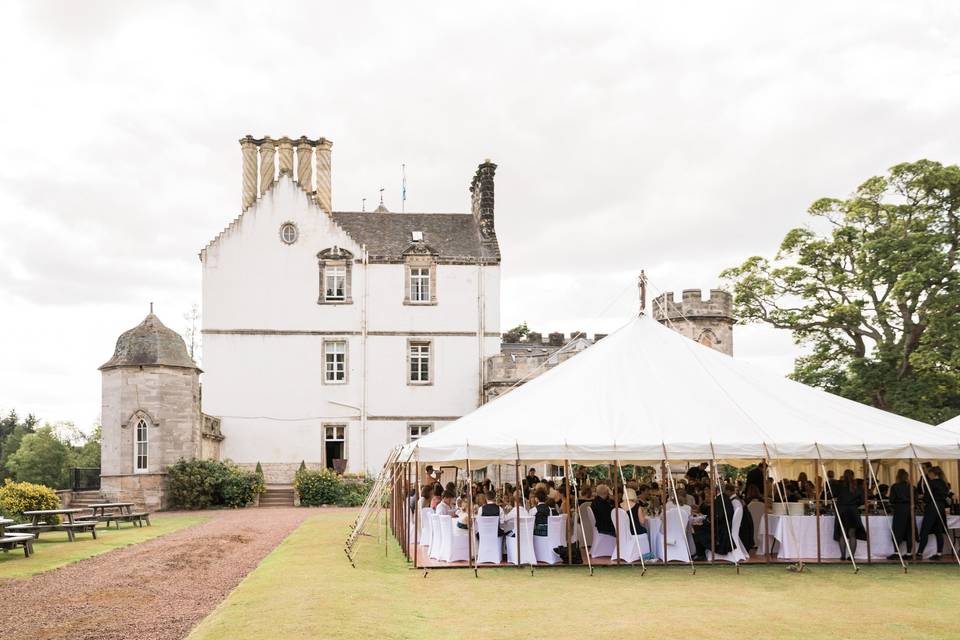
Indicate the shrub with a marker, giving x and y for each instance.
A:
(322, 487)
(240, 487)
(200, 484)
(317, 487)
(17, 497)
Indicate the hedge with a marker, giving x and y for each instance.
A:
(17, 497)
(326, 487)
(200, 484)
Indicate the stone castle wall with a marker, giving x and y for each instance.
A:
(708, 321)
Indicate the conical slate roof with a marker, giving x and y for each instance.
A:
(150, 343)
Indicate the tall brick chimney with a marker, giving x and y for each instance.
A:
(324, 194)
(481, 198)
(272, 153)
(248, 150)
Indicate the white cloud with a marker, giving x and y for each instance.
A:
(676, 138)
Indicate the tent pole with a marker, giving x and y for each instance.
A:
(583, 531)
(913, 516)
(616, 505)
(836, 513)
(713, 515)
(943, 522)
(569, 527)
(893, 535)
(676, 500)
(518, 505)
(636, 536)
(416, 518)
(470, 515)
(866, 510)
(816, 509)
(766, 515)
(663, 508)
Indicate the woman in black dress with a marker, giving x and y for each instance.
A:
(900, 502)
(934, 504)
(849, 497)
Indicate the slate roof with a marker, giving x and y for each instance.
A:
(150, 343)
(454, 236)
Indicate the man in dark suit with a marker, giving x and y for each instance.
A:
(698, 472)
(491, 508)
(757, 477)
(702, 536)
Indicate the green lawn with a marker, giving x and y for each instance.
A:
(307, 588)
(54, 550)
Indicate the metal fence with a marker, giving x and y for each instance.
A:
(84, 478)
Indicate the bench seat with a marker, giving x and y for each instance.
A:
(24, 540)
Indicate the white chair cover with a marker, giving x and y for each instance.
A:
(676, 523)
(759, 514)
(604, 545)
(543, 546)
(589, 526)
(631, 546)
(425, 529)
(490, 547)
(525, 532)
(459, 547)
(445, 534)
(435, 542)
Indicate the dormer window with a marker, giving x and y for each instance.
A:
(336, 266)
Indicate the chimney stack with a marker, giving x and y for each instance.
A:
(280, 152)
(305, 164)
(268, 167)
(324, 197)
(248, 150)
(286, 156)
(481, 198)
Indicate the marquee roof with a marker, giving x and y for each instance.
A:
(646, 393)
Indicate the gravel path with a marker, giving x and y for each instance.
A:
(159, 589)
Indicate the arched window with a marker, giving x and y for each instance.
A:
(708, 338)
(141, 445)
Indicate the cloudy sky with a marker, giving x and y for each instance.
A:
(680, 140)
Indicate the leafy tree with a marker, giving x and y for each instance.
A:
(88, 453)
(873, 289)
(41, 458)
(12, 430)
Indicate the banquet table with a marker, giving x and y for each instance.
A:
(797, 537)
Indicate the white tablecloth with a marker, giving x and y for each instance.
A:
(797, 537)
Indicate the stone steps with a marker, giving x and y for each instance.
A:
(277, 497)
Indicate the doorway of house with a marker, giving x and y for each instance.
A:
(334, 447)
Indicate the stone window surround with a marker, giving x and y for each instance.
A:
(419, 261)
(296, 232)
(421, 425)
(431, 363)
(346, 438)
(336, 257)
(136, 445)
(346, 362)
(131, 422)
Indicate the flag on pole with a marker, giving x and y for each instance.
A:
(403, 193)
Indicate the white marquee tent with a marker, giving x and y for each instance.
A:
(647, 393)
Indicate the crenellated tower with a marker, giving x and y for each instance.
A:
(709, 322)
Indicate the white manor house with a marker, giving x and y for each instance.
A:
(329, 337)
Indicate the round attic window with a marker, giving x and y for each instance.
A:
(288, 232)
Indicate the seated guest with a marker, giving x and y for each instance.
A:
(491, 508)
(703, 535)
(638, 517)
(463, 516)
(445, 506)
(643, 496)
(426, 494)
(602, 507)
(437, 495)
(540, 513)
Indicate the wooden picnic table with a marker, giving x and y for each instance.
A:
(13, 540)
(71, 526)
(123, 513)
